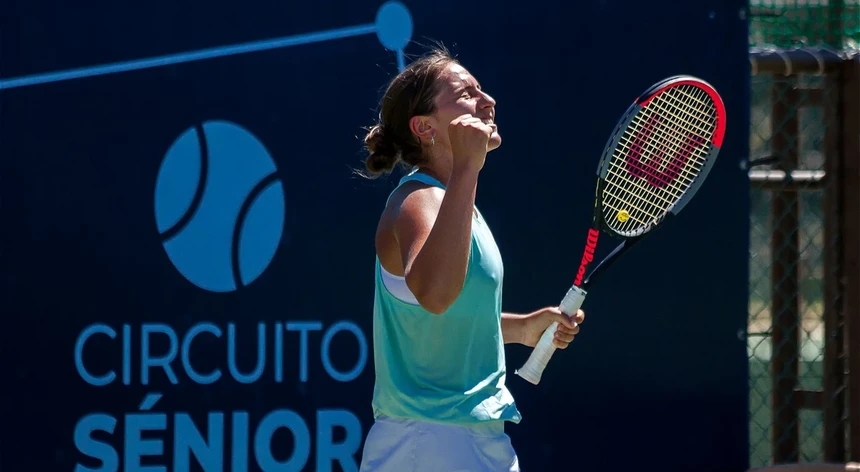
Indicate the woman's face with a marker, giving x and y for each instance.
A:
(460, 94)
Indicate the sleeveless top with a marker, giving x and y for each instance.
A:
(447, 368)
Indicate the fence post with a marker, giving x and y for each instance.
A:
(851, 257)
(785, 289)
(833, 372)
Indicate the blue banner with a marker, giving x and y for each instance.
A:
(187, 254)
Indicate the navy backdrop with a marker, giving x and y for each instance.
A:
(187, 257)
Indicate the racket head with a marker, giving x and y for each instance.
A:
(658, 155)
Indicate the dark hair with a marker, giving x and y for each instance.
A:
(410, 93)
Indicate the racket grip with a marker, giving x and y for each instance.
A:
(543, 351)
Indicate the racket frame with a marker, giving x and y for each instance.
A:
(534, 366)
(599, 223)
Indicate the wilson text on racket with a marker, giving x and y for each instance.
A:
(588, 255)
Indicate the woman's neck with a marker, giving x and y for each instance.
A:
(438, 168)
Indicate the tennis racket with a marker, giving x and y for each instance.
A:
(656, 159)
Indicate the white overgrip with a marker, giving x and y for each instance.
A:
(543, 351)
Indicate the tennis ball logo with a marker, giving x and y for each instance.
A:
(219, 206)
(623, 216)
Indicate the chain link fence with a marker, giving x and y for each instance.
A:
(788, 243)
(805, 23)
(799, 390)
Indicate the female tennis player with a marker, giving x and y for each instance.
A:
(440, 400)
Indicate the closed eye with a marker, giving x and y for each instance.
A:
(471, 91)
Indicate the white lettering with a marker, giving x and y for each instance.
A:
(207, 353)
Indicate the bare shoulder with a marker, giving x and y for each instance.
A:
(413, 198)
(412, 209)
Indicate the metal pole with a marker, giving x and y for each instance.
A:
(784, 282)
(851, 264)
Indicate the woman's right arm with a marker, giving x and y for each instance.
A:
(434, 233)
(434, 228)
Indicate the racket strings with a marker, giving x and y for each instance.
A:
(695, 108)
(676, 137)
(671, 143)
(650, 202)
(674, 176)
(648, 178)
(658, 158)
(682, 138)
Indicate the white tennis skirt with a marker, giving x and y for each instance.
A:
(399, 445)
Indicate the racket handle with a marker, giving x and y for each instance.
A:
(537, 361)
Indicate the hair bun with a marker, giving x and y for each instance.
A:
(411, 93)
(384, 154)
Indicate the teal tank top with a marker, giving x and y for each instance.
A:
(447, 368)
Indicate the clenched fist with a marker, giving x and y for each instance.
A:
(469, 137)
